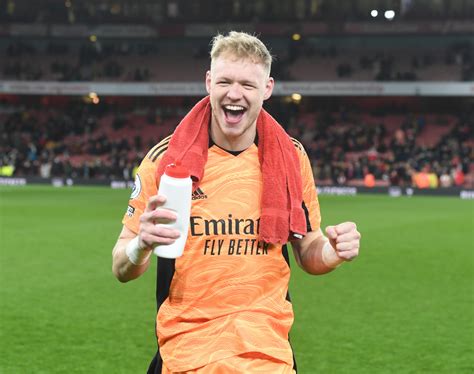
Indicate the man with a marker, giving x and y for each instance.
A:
(223, 306)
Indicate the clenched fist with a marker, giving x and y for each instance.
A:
(345, 239)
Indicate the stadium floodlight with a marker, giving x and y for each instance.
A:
(94, 98)
(296, 98)
(389, 14)
(296, 37)
(374, 13)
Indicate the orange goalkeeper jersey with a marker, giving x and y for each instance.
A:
(228, 294)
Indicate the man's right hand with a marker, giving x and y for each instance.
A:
(153, 230)
(151, 233)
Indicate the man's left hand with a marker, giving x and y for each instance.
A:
(345, 239)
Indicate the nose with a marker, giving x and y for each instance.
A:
(235, 92)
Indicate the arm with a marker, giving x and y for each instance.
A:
(123, 269)
(131, 254)
(318, 254)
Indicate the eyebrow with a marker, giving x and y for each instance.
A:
(247, 82)
(243, 81)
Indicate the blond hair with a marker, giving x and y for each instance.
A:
(241, 45)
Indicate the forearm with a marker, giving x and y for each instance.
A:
(315, 255)
(123, 269)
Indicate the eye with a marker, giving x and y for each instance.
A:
(223, 83)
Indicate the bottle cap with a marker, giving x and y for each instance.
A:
(176, 170)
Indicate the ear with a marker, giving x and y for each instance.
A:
(269, 88)
(208, 82)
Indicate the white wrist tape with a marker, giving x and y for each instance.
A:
(329, 256)
(136, 255)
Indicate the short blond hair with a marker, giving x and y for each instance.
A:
(241, 45)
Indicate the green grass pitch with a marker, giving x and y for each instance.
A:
(404, 306)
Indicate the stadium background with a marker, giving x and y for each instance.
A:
(384, 107)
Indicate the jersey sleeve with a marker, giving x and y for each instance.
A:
(310, 195)
(145, 186)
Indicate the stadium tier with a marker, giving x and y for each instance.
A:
(78, 140)
(380, 93)
(212, 11)
(163, 46)
(186, 59)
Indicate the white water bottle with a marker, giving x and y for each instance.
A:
(176, 185)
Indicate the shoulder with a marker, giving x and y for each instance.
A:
(158, 150)
(303, 158)
(299, 147)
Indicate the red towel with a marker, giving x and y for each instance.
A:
(282, 213)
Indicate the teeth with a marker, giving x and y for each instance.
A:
(234, 107)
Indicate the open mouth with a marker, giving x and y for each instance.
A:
(233, 113)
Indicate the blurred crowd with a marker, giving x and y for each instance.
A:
(45, 143)
(345, 147)
(85, 62)
(78, 140)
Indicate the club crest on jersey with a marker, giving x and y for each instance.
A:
(137, 188)
(198, 194)
(130, 211)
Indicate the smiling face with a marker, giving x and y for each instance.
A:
(237, 89)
